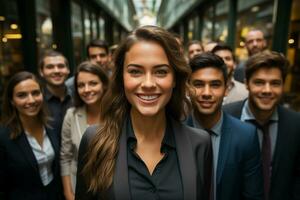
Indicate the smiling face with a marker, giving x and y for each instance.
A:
(148, 78)
(207, 89)
(265, 89)
(99, 55)
(255, 42)
(54, 71)
(27, 98)
(89, 87)
(193, 50)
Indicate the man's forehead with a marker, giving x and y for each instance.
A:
(54, 59)
(255, 34)
(97, 50)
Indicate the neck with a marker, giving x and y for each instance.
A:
(261, 116)
(93, 111)
(148, 128)
(31, 124)
(58, 91)
(208, 121)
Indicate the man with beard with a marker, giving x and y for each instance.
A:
(277, 127)
(255, 42)
(236, 160)
(54, 70)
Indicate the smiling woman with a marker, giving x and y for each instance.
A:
(142, 150)
(29, 148)
(91, 83)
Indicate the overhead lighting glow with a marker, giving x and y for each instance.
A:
(4, 39)
(14, 26)
(13, 36)
(291, 41)
(2, 18)
(255, 9)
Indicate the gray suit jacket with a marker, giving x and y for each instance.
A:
(285, 178)
(194, 156)
(74, 125)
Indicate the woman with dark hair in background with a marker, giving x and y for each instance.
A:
(142, 151)
(29, 148)
(91, 83)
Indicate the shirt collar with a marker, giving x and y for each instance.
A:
(168, 138)
(248, 115)
(48, 95)
(217, 128)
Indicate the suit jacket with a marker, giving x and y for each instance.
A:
(74, 125)
(285, 178)
(239, 174)
(19, 173)
(194, 156)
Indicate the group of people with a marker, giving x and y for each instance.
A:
(154, 127)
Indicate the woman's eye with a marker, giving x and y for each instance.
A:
(21, 95)
(161, 72)
(134, 71)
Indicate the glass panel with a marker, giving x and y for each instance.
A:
(87, 26)
(101, 28)
(11, 58)
(77, 32)
(207, 25)
(94, 25)
(44, 26)
(293, 55)
(221, 23)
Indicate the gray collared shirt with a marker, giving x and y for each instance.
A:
(273, 127)
(215, 142)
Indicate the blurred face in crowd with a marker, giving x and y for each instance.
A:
(255, 42)
(227, 57)
(148, 79)
(54, 71)
(193, 50)
(27, 98)
(89, 87)
(207, 89)
(265, 89)
(99, 55)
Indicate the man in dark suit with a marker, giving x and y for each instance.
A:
(278, 127)
(237, 171)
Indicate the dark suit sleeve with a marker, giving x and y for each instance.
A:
(296, 195)
(252, 169)
(3, 161)
(81, 191)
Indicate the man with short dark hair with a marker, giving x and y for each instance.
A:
(278, 127)
(54, 69)
(236, 159)
(97, 51)
(236, 90)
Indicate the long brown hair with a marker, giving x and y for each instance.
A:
(103, 149)
(10, 116)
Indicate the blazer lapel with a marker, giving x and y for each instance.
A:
(281, 139)
(120, 181)
(81, 121)
(224, 147)
(186, 161)
(26, 148)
